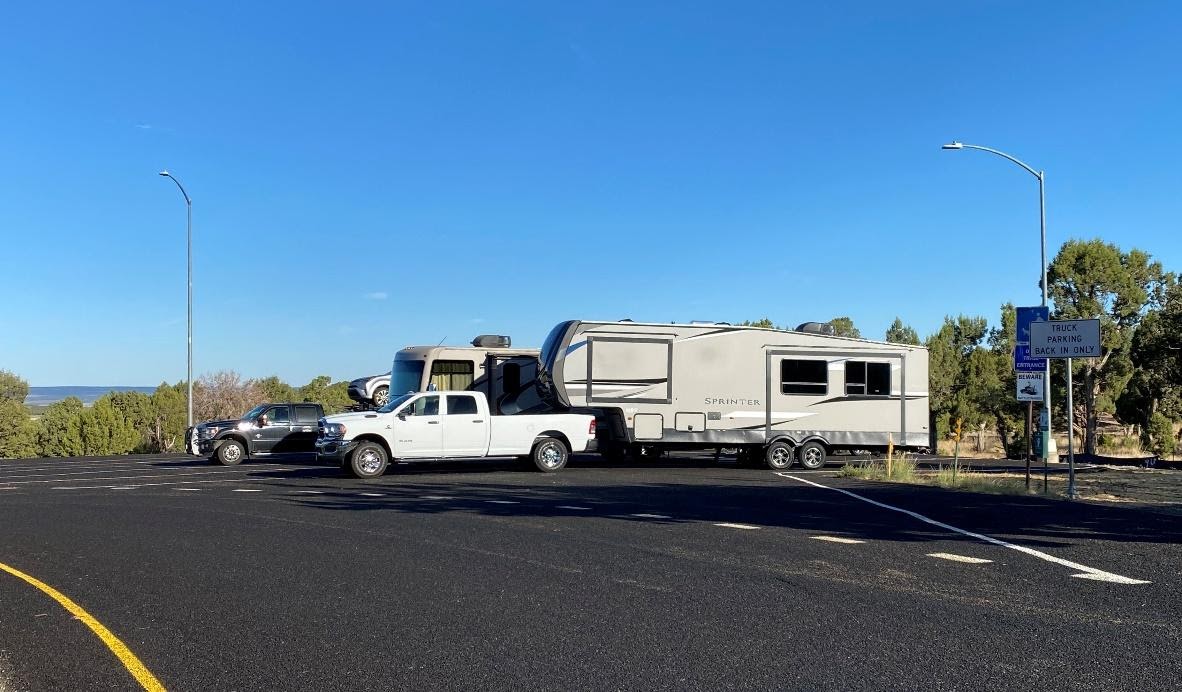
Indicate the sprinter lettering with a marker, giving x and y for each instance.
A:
(723, 401)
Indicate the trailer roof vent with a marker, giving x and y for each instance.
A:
(817, 328)
(492, 341)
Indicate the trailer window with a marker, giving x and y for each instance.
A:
(867, 378)
(804, 377)
(452, 375)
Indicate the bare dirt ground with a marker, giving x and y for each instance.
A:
(1159, 489)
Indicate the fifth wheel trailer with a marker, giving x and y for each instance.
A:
(779, 394)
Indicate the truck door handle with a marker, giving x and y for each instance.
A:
(478, 420)
(432, 422)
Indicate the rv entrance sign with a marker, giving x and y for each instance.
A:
(1065, 339)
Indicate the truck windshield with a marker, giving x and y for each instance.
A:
(254, 412)
(395, 403)
(406, 376)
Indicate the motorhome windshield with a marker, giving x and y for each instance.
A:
(407, 376)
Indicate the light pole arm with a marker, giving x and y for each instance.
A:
(1004, 155)
(190, 202)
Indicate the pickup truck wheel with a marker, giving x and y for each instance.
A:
(381, 396)
(368, 461)
(778, 456)
(812, 455)
(549, 455)
(230, 453)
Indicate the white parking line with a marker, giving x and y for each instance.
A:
(728, 525)
(130, 478)
(836, 539)
(961, 558)
(190, 490)
(71, 469)
(435, 497)
(246, 490)
(503, 502)
(1085, 571)
(151, 485)
(114, 468)
(574, 507)
(373, 494)
(311, 492)
(649, 516)
(124, 487)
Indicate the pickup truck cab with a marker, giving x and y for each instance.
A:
(265, 430)
(449, 425)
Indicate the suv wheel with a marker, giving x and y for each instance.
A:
(381, 396)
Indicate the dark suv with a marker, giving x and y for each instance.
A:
(265, 430)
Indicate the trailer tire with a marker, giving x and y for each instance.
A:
(549, 454)
(778, 456)
(369, 460)
(230, 453)
(812, 455)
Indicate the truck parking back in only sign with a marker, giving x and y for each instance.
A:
(1065, 339)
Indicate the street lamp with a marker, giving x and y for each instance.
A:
(189, 237)
(1042, 220)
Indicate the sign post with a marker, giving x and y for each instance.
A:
(1067, 339)
(1024, 364)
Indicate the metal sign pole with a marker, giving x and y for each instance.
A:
(1029, 424)
(1071, 493)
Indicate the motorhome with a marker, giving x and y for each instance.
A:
(780, 396)
(490, 365)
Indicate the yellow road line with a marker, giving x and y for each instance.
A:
(117, 647)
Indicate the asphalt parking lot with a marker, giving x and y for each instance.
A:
(677, 574)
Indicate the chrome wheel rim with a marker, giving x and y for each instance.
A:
(381, 397)
(812, 457)
(369, 462)
(231, 452)
(781, 457)
(550, 455)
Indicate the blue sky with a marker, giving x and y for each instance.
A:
(368, 176)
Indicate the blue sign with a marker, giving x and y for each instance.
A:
(1024, 363)
(1025, 317)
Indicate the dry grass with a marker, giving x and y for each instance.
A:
(901, 469)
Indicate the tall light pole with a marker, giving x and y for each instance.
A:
(1042, 221)
(189, 239)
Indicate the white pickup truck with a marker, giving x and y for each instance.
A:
(449, 425)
